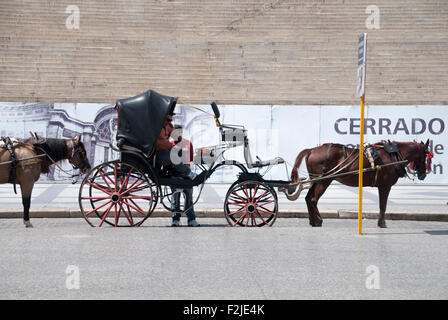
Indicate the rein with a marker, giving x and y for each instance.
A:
(335, 172)
(355, 172)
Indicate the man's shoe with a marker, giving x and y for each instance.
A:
(175, 223)
(193, 223)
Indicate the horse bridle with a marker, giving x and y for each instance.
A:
(428, 156)
(77, 149)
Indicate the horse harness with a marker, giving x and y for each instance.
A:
(370, 151)
(392, 149)
(13, 171)
(327, 154)
(36, 142)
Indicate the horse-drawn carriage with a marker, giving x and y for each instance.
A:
(125, 192)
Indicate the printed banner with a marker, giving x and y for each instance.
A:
(272, 131)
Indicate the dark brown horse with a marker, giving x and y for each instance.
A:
(331, 159)
(43, 155)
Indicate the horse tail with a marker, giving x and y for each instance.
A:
(294, 172)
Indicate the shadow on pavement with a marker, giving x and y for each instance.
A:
(390, 233)
(203, 225)
(430, 232)
(437, 232)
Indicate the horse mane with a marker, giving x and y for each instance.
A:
(56, 149)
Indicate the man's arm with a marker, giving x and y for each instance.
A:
(163, 144)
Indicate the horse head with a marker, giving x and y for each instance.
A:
(78, 158)
(421, 162)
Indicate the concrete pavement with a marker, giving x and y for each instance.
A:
(67, 259)
(409, 202)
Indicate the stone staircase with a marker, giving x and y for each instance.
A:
(234, 52)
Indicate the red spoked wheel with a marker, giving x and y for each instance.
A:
(117, 194)
(251, 204)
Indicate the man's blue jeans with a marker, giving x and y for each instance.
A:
(175, 205)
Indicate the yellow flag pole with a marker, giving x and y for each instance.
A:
(361, 166)
(362, 48)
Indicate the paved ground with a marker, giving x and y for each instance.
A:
(288, 261)
(410, 199)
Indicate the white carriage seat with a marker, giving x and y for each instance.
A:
(236, 136)
(259, 163)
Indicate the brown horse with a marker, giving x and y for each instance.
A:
(43, 155)
(337, 159)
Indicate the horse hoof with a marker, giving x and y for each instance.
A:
(27, 224)
(382, 224)
(316, 224)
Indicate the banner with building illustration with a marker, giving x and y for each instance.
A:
(273, 130)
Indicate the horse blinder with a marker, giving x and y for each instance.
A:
(428, 155)
(79, 156)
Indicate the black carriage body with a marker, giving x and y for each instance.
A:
(141, 118)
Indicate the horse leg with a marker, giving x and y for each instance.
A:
(313, 196)
(384, 194)
(26, 189)
(308, 198)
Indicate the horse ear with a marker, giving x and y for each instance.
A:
(427, 144)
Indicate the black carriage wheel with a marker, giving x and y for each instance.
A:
(251, 204)
(118, 194)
